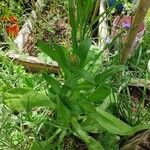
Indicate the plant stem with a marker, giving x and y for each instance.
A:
(139, 18)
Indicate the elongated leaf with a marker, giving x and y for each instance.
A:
(99, 94)
(88, 7)
(102, 77)
(63, 114)
(63, 58)
(111, 99)
(85, 86)
(106, 120)
(20, 91)
(49, 50)
(29, 82)
(71, 81)
(86, 75)
(79, 11)
(84, 9)
(27, 101)
(74, 24)
(141, 127)
(90, 125)
(56, 85)
(62, 53)
(110, 122)
(45, 145)
(73, 103)
(91, 56)
(57, 53)
(83, 50)
(91, 142)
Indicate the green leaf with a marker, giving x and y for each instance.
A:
(91, 56)
(57, 53)
(91, 142)
(99, 94)
(86, 75)
(106, 120)
(73, 103)
(29, 82)
(90, 125)
(84, 11)
(110, 100)
(63, 114)
(55, 84)
(73, 24)
(20, 91)
(45, 145)
(87, 86)
(71, 81)
(62, 53)
(49, 50)
(141, 127)
(26, 101)
(102, 77)
(83, 50)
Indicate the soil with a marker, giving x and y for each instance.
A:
(140, 141)
(51, 25)
(74, 143)
(137, 94)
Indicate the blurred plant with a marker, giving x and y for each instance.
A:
(138, 19)
(132, 105)
(15, 76)
(14, 127)
(77, 100)
(11, 17)
(138, 63)
(11, 8)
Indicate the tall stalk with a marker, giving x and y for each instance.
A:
(140, 14)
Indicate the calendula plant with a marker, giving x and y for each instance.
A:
(77, 101)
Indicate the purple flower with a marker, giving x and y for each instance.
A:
(126, 25)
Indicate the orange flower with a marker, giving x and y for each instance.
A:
(11, 25)
(12, 30)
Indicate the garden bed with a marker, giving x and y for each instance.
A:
(53, 28)
(90, 103)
